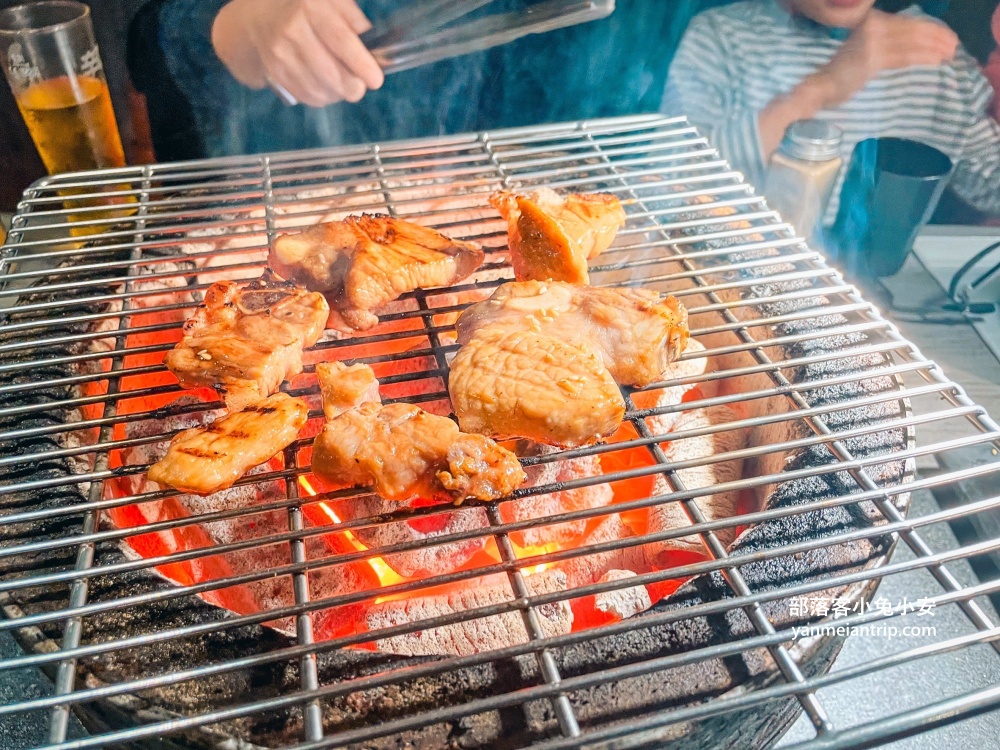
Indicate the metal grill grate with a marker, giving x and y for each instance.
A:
(80, 362)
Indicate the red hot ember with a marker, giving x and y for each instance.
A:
(345, 563)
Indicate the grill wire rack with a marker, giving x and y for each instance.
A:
(694, 228)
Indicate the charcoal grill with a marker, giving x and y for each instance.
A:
(139, 659)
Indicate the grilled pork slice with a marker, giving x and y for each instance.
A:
(518, 383)
(244, 341)
(553, 237)
(635, 333)
(401, 450)
(544, 360)
(346, 387)
(672, 394)
(365, 261)
(207, 459)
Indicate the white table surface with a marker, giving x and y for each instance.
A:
(943, 249)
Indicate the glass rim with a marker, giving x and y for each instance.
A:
(83, 12)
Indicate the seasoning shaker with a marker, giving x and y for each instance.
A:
(803, 172)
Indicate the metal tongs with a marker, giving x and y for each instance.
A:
(424, 32)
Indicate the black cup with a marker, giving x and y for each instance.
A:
(890, 191)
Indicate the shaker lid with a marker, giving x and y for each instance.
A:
(812, 140)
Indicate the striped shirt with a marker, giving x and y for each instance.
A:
(735, 59)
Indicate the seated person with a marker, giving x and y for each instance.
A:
(745, 72)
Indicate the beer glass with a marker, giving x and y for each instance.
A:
(54, 68)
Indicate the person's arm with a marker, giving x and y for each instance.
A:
(706, 89)
(882, 42)
(977, 169)
(310, 47)
(811, 95)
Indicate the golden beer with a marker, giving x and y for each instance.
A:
(52, 63)
(72, 123)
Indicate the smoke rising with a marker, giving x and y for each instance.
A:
(613, 66)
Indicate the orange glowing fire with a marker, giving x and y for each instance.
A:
(545, 549)
(152, 387)
(386, 575)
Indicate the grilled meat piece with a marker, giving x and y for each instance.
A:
(634, 332)
(244, 341)
(403, 451)
(346, 387)
(509, 383)
(552, 236)
(673, 395)
(365, 261)
(543, 360)
(207, 459)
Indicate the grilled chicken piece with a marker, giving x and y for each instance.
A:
(243, 341)
(553, 237)
(403, 451)
(363, 262)
(544, 360)
(207, 459)
(346, 387)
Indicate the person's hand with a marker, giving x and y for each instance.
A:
(884, 41)
(310, 47)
